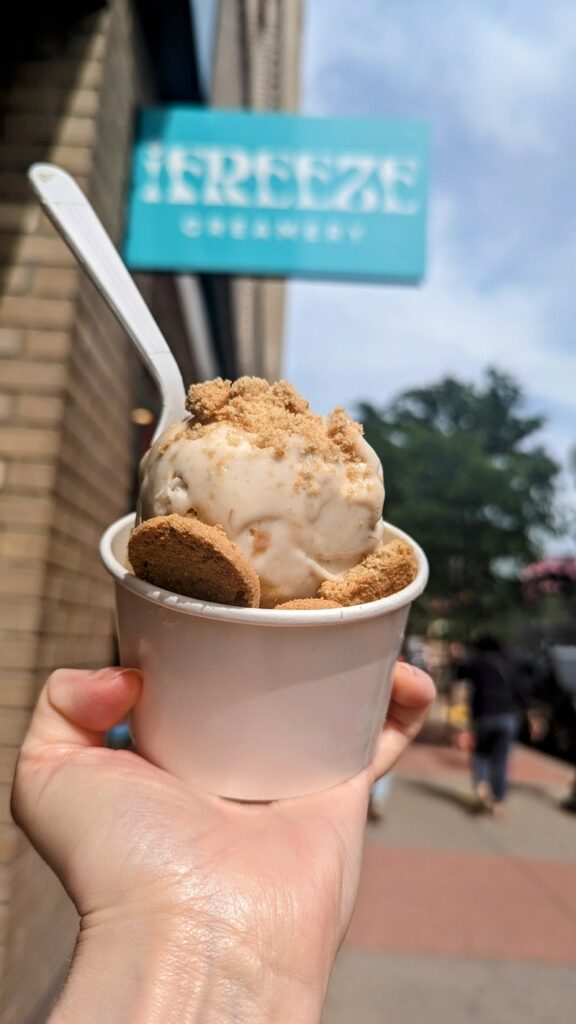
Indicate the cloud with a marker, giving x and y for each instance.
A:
(495, 81)
(492, 66)
(364, 341)
(369, 341)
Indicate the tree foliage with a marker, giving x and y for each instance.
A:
(466, 479)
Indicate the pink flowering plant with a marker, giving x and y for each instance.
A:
(549, 576)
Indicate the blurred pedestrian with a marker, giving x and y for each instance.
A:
(496, 697)
(555, 716)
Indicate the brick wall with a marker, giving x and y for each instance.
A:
(68, 380)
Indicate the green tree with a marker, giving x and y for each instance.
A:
(464, 477)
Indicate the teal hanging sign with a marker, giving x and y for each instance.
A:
(278, 194)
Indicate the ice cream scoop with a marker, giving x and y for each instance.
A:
(301, 495)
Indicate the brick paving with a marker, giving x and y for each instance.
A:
(461, 919)
(456, 904)
(424, 759)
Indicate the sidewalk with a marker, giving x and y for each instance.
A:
(462, 919)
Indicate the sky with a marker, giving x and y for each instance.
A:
(496, 82)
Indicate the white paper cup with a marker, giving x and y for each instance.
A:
(252, 703)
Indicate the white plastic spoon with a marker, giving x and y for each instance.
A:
(71, 213)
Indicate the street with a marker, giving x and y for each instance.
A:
(461, 918)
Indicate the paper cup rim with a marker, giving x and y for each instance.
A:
(261, 616)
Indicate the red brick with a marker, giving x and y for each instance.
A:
(55, 282)
(62, 74)
(31, 477)
(10, 341)
(9, 842)
(525, 765)
(52, 102)
(15, 441)
(50, 345)
(17, 216)
(13, 725)
(48, 252)
(455, 904)
(6, 407)
(17, 281)
(68, 130)
(33, 312)
(42, 377)
(39, 409)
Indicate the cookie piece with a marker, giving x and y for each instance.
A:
(303, 604)
(385, 571)
(193, 559)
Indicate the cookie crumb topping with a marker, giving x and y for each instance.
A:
(273, 414)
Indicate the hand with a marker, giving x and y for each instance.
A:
(186, 899)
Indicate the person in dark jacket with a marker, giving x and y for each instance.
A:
(496, 697)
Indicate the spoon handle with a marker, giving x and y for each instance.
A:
(74, 218)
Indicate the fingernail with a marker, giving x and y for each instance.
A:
(415, 670)
(418, 672)
(113, 672)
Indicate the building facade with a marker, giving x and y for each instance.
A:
(264, 77)
(73, 78)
